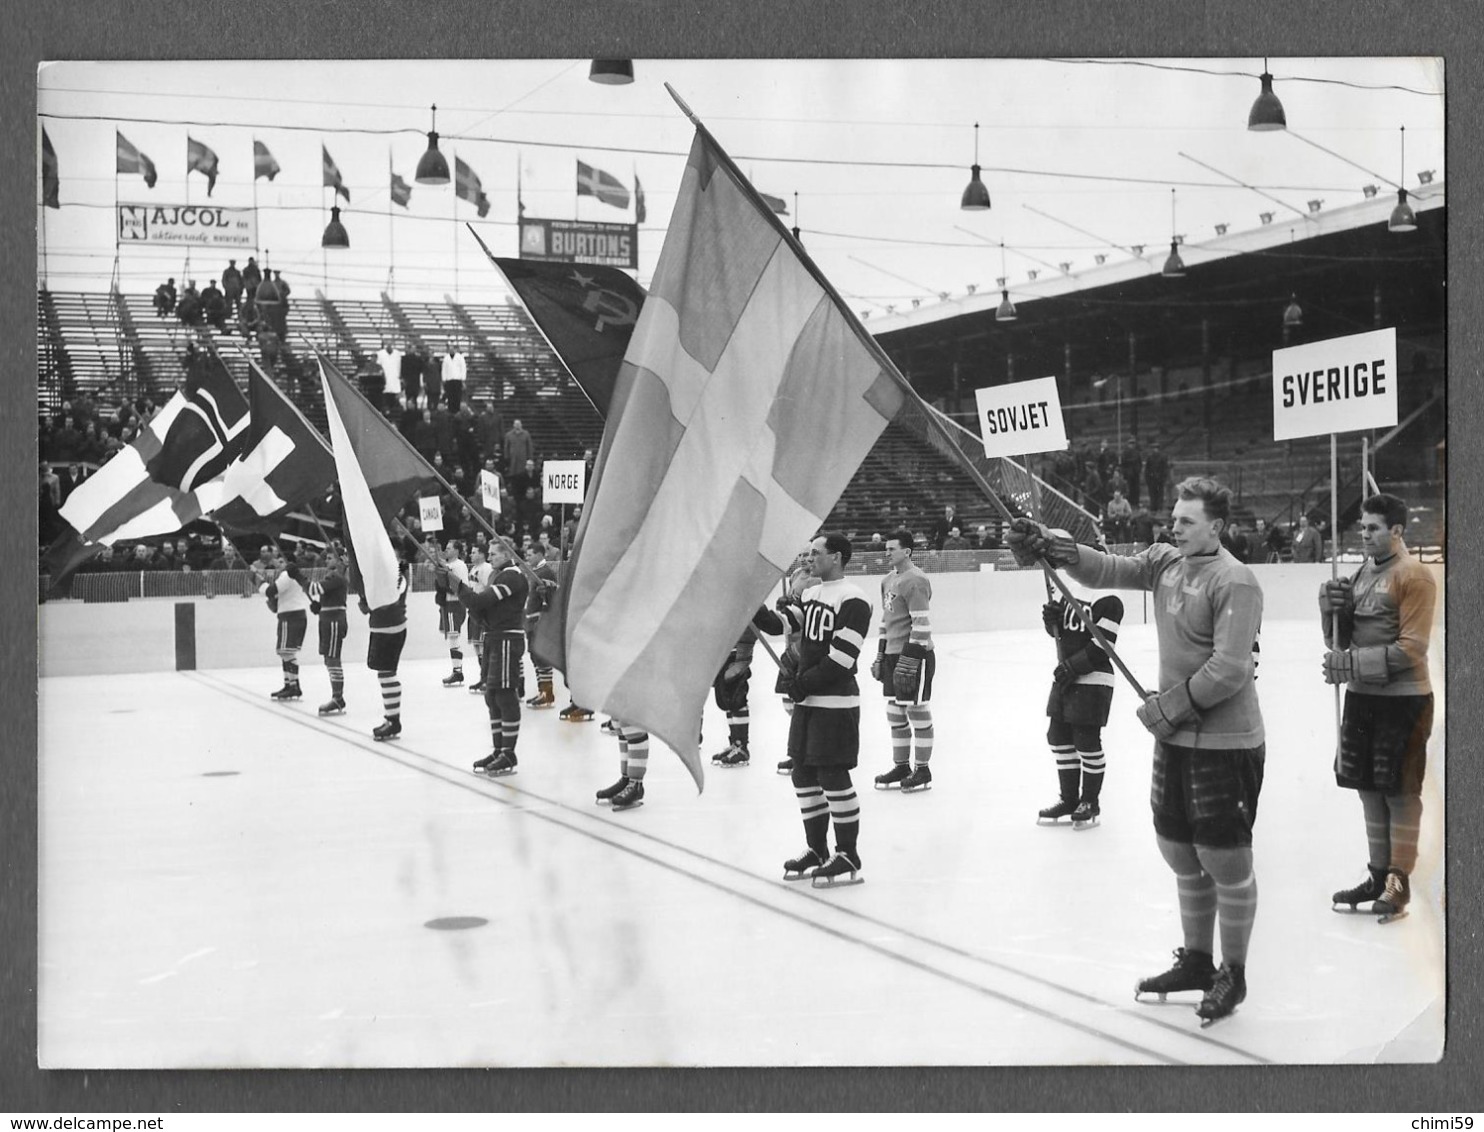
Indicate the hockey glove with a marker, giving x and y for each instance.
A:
(1062, 675)
(1339, 666)
(878, 666)
(907, 675)
(1163, 713)
(1029, 542)
(1051, 615)
(1337, 596)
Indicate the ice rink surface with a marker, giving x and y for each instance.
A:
(229, 882)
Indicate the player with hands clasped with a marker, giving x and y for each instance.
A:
(1376, 628)
(824, 729)
(501, 606)
(905, 663)
(1209, 749)
(288, 598)
(327, 600)
(1081, 696)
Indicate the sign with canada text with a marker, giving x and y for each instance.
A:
(187, 224)
(580, 241)
(430, 513)
(1021, 417)
(1337, 385)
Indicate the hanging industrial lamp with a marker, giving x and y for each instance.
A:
(1006, 310)
(1293, 314)
(1402, 217)
(432, 166)
(1174, 267)
(335, 235)
(611, 72)
(976, 196)
(1267, 112)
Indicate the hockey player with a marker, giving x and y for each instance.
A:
(480, 572)
(451, 610)
(327, 602)
(502, 605)
(633, 761)
(1376, 627)
(824, 731)
(905, 663)
(287, 598)
(731, 685)
(1208, 754)
(387, 635)
(1081, 695)
(538, 601)
(793, 591)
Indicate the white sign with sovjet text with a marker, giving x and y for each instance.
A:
(1338, 385)
(1021, 417)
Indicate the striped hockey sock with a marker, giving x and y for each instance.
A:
(391, 694)
(816, 814)
(635, 745)
(921, 720)
(845, 812)
(1237, 904)
(901, 734)
(1092, 775)
(1406, 825)
(337, 678)
(1197, 895)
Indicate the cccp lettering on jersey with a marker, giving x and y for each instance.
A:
(1337, 383)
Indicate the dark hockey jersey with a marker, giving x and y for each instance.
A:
(503, 604)
(327, 597)
(1080, 649)
(834, 619)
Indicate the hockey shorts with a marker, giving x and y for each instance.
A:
(384, 650)
(1383, 743)
(924, 678)
(1206, 796)
(731, 695)
(820, 736)
(451, 617)
(1080, 705)
(503, 653)
(332, 636)
(291, 629)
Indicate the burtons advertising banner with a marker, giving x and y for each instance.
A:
(187, 224)
(580, 241)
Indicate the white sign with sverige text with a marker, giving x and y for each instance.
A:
(1337, 385)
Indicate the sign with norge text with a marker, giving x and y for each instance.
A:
(563, 481)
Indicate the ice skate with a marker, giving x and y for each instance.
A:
(608, 793)
(734, 756)
(786, 766)
(1085, 816)
(919, 780)
(1373, 888)
(289, 691)
(801, 866)
(541, 700)
(502, 766)
(611, 727)
(387, 729)
(1193, 970)
(335, 706)
(839, 871)
(893, 779)
(1225, 995)
(1052, 815)
(574, 714)
(1393, 902)
(630, 797)
(482, 766)
(477, 688)
(454, 679)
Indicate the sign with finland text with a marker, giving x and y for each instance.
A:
(430, 513)
(489, 492)
(1021, 417)
(1338, 385)
(563, 481)
(187, 224)
(580, 241)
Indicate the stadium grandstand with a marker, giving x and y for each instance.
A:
(1140, 360)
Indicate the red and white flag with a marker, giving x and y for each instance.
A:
(746, 401)
(605, 186)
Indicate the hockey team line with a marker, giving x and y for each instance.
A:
(568, 816)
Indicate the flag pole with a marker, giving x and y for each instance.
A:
(454, 205)
(254, 199)
(391, 237)
(883, 360)
(1341, 640)
(432, 471)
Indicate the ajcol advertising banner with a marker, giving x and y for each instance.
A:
(187, 224)
(580, 241)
